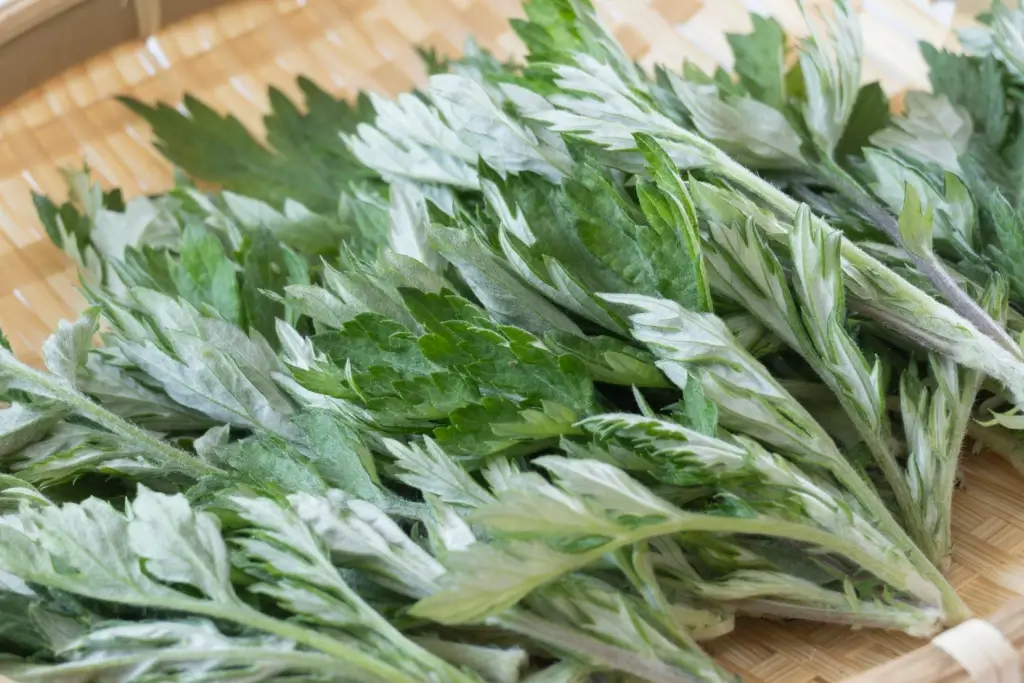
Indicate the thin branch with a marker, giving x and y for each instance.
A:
(931, 267)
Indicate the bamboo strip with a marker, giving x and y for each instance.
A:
(931, 665)
(41, 38)
(18, 17)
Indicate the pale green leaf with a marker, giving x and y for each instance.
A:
(65, 351)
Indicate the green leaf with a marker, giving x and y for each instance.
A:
(531, 260)
(955, 215)
(161, 554)
(363, 290)
(563, 672)
(101, 552)
(63, 222)
(317, 303)
(429, 469)
(591, 509)
(70, 449)
(662, 242)
(870, 115)
(212, 439)
(290, 548)
(303, 230)
(147, 267)
(308, 163)
(175, 651)
(673, 241)
(831, 62)
(974, 83)
(608, 227)
(338, 454)
(126, 393)
(313, 135)
(204, 274)
(609, 360)
(370, 340)
(522, 367)
(293, 550)
(145, 222)
(360, 536)
(23, 424)
(933, 130)
(505, 297)
(271, 464)
(266, 266)
(555, 31)
(750, 400)
(410, 224)
(65, 351)
(750, 274)
(751, 131)
(499, 425)
(181, 547)
(548, 212)
(502, 141)
(760, 60)
(207, 365)
(500, 665)
(417, 401)
(915, 225)
(1008, 252)
(701, 414)
(410, 140)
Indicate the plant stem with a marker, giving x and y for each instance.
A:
(880, 565)
(897, 481)
(590, 649)
(954, 607)
(863, 615)
(43, 384)
(346, 654)
(242, 614)
(929, 265)
(878, 445)
(375, 622)
(955, 331)
(887, 301)
(947, 474)
(771, 594)
(242, 655)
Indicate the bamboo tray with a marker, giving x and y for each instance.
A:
(229, 54)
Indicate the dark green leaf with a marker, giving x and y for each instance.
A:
(424, 398)
(268, 462)
(609, 360)
(870, 115)
(338, 454)
(369, 340)
(608, 227)
(266, 266)
(1008, 254)
(501, 426)
(672, 243)
(760, 61)
(308, 163)
(205, 275)
(975, 84)
(698, 413)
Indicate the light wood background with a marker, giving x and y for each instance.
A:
(230, 55)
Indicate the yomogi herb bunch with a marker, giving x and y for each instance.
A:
(544, 372)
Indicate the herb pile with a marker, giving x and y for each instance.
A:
(543, 373)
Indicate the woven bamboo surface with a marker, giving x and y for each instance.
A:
(230, 55)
